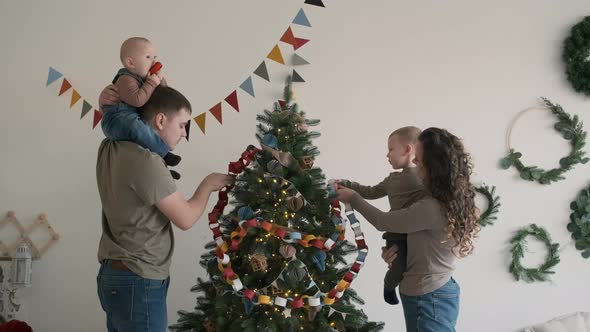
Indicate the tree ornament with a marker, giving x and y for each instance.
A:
(295, 272)
(489, 215)
(210, 325)
(287, 250)
(518, 249)
(570, 129)
(319, 258)
(258, 263)
(576, 49)
(274, 167)
(301, 127)
(306, 162)
(246, 213)
(294, 203)
(270, 140)
(579, 224)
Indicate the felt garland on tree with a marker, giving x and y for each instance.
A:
(518, 242)
(250, 296)
(570, 129)
(579, 224)
(489, 215)
(575, 55)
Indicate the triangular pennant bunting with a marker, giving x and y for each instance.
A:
(75, 98)
(298, 60)
(288, 37)
(65, 86)
(331, 311)
(97, 118)
(187, 128)
(53, 75)
(297, 77)
(301, 19)
(276, 55)
(216, 111)
(262, 71)
(300, 42)
(232, 100)
(248, 86)
(318, 3)
(85, 108)
(200, 120)
(283, 104)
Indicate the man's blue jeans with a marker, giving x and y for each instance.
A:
(436, 311)
(132, 303)
(122, 122)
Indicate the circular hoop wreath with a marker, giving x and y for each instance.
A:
(518, 249)
(570, 129)
(576, 49)
(579, 224)
(489, 215)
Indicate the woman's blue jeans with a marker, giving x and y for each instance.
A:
(436, 311)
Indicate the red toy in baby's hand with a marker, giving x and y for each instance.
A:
(156, 68)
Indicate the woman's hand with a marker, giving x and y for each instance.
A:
(344, 194)
(389, 254)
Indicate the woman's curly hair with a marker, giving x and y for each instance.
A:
(448, 168)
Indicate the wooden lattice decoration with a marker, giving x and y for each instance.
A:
(8, 249)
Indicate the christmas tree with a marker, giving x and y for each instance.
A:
(278, 260)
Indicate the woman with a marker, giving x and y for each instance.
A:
(440, 227)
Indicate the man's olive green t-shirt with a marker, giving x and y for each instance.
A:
(130, 181)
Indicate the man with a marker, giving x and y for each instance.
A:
(140, 202)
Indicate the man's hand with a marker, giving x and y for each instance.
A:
(389, 254)
(216, 181)
(109, 96)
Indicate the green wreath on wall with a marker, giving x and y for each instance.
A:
(518, 249)
(488, 217)
(579, 224)
(571, 129)
(576, 51)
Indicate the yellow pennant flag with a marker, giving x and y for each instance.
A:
(200, 120)
(276, 55)
(75, 98)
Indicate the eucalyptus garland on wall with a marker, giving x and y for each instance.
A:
(576, 51)
(518, 249)
(579, 224)
(570, 129)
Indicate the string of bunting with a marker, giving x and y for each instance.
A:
(231, 99)
(261, 71)
(254, 297)
(55, 75)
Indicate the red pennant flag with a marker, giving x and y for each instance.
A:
(288, 37)
(65, 86)
(97, 118)
(299, 42)
(283, 104)
(216, 111)
(232, 99)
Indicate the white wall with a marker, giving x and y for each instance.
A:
(468, 66)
